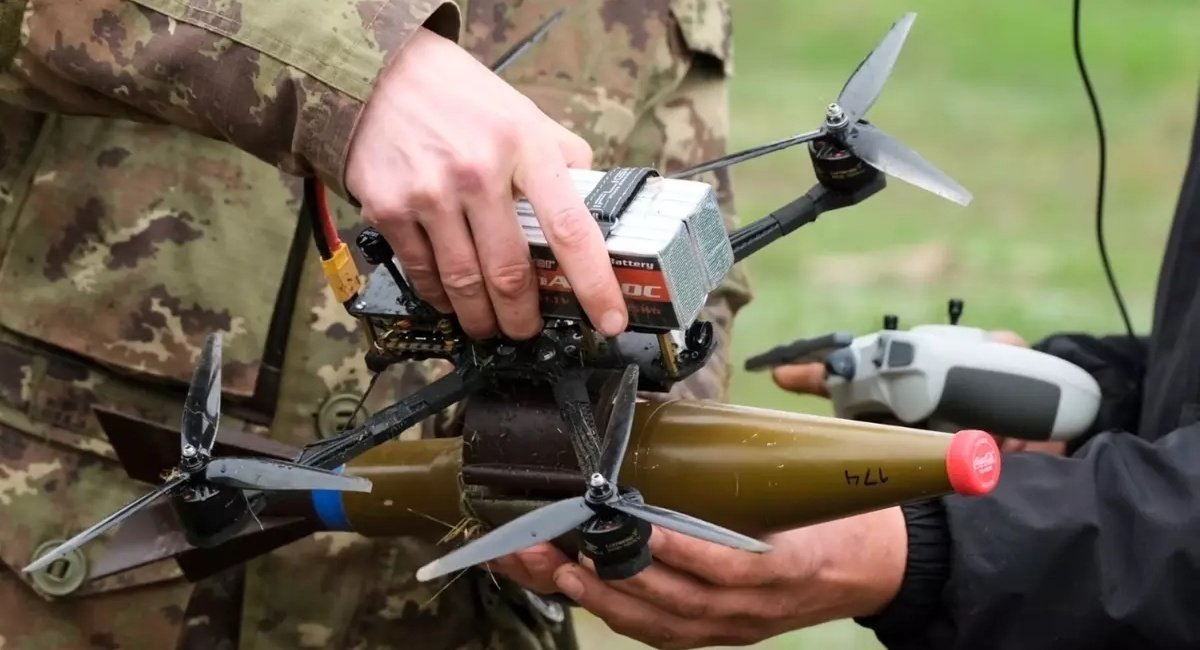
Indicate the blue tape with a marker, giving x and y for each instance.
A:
(329, 508)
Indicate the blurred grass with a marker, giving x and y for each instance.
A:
(988, 91)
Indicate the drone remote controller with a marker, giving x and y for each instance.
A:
(947, 378)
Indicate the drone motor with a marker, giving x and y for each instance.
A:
(837, 168)
(210, 514)
(617, 543)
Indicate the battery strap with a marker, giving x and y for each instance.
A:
(613, 194)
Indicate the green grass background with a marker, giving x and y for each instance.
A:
(988, 91)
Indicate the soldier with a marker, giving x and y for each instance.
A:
(149, 155)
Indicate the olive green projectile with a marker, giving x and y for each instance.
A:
(415, 489)
(753, 470)
(758, 471)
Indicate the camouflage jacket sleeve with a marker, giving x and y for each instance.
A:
(284, 81)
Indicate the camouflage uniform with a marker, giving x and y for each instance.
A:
(148, 152)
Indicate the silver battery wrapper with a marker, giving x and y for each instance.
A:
(655, 266)
(695, 204)
(671, 237)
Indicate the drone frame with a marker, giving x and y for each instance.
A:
(848, 154)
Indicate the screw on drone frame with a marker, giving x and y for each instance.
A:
(835, 118)
(206, 491)
(845, 127)
(599, 489)
(595, 512)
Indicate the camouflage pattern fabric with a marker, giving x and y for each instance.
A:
(147, 197)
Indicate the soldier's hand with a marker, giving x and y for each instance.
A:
(442, 148)
(698, 594)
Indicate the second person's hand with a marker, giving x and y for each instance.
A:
(809, 379)
(443, 148)
(698, 594)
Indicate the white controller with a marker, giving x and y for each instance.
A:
(948, 378)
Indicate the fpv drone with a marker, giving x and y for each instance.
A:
(214, 497)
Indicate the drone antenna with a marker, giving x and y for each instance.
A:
(748, 154)
(1087, 84)
(525, 44)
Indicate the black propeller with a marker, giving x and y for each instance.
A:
(844, 125)
(604, 511)
(207, 492)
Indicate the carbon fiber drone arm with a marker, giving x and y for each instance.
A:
(804, 210)
(395, 419)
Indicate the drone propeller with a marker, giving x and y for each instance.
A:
(620, 424)
(885, 153)
(202, 407)
(864, 86)
(844, 125)
(197, 479)
(593, 512)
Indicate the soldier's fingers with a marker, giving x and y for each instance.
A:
(415, 254)
(808, 378)
(576, 151)
(690, 598)
(511, 567)
(644, 621)
(714, 563)
(504, 257)
(1014, 445)
(539, 563)
(458, 263)
(1051, 447)
(1008, 337)
(1009, 445)
(573, 235)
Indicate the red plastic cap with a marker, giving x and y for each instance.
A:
(973, 463)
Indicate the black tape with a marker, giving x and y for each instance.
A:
(613, 194)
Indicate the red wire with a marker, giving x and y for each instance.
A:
(331, 233)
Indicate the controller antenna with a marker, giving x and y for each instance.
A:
(956, 309)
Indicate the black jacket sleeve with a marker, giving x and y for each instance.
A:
(1118, 364)
(1099, 550)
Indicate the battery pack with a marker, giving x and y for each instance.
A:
(666, 240)
(693, 204)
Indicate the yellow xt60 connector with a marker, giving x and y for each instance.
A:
(342, 274)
